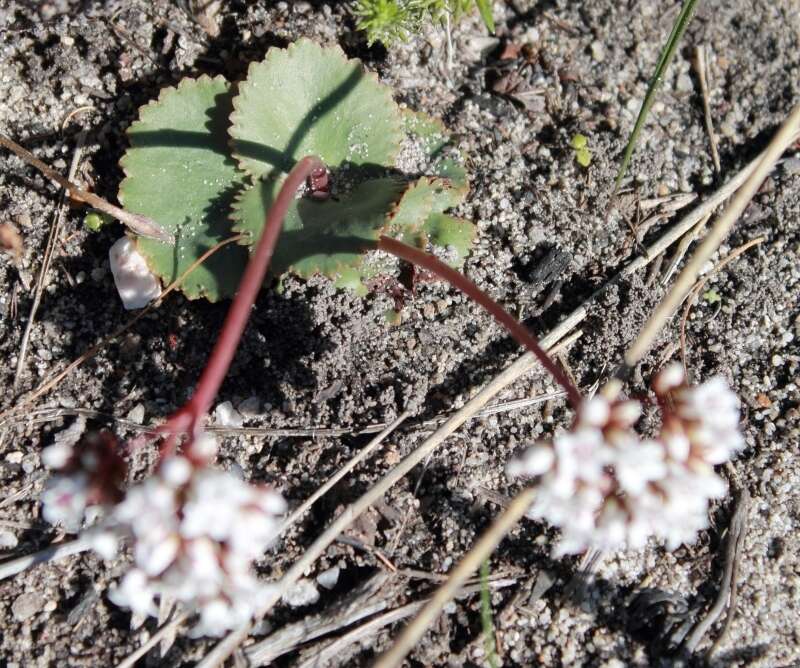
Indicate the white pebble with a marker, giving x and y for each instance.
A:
(136, 284)
(329, 578)
(8, 540)
(226, 415)
(302, 593)
(136, 414)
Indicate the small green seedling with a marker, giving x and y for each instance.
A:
(390, 21)
(208, 160)
(94, 221)
(712, 296)
(583, 156)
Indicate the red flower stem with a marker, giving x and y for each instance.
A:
(458, 280)
(188, 419)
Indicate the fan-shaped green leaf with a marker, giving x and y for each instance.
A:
(310, 100)
(430, 131)
(179, 173)
(454, 235)
(320, 236)
(452, 186)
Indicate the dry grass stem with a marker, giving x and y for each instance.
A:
(52, 553)
(52, 239)
(701, 66)
(683, 246)
(784, 138)
(342, 472)
(136, 222)
(460, 574)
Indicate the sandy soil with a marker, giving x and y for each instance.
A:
(317, 357)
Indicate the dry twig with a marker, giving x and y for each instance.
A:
(136, 222)
(701, 66)
(733, 548)
(55, 232)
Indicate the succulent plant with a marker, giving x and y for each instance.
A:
(207, 160)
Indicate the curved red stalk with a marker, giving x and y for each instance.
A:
(458, 280)
(189, 418)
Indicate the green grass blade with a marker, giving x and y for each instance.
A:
(681, 23)
(486, 617)
(485, 8)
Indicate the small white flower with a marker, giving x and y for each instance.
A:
(103, 541)
(637, 463)
(57, 455)
(670, 377)
(535, 461)
(205, 446)
(595, 412)
(712, 412)
(626, 413)
(176, 471)
(581, 456)
(134, 592)
(64, 500)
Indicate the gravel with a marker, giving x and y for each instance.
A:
(314, 356)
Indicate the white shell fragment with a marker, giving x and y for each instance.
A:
(136, 284)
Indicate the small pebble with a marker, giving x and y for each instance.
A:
(14, 457)
(8, 541)
(225, 415)
(329, 578)
(27, 605)
(304, 592)
(250, 407)
(684, 84)
(136, 414)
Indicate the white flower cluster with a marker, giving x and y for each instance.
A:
(608, 488)
(195, 533)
